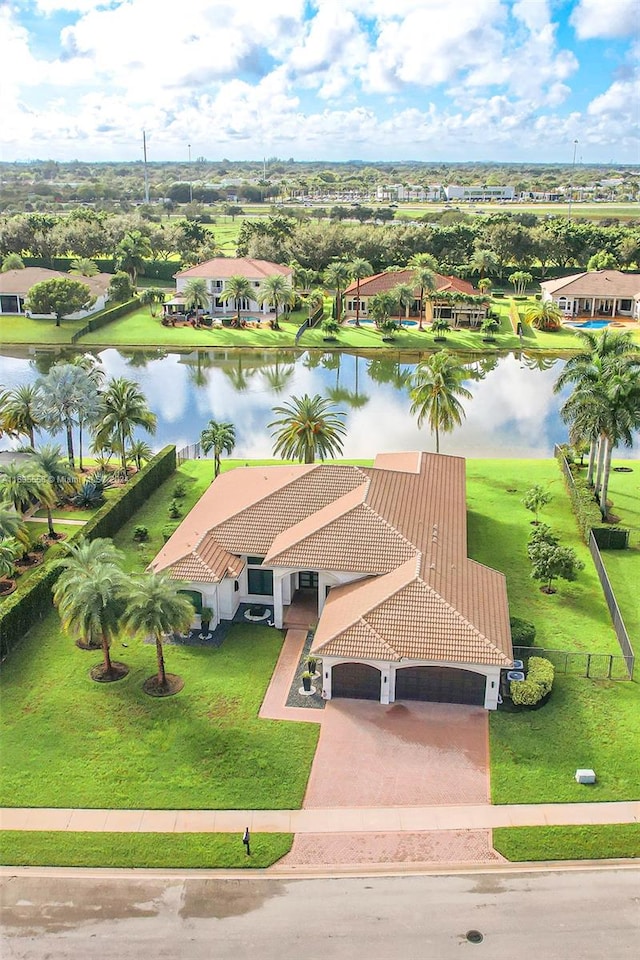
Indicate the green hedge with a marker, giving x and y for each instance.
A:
(156, 269)
(587, 512)
(537, 684)
(106, 316)
(31, 602)
(523, 633)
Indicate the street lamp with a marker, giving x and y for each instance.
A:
(191, 181)
(573, 170)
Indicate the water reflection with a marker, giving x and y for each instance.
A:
(513, 413)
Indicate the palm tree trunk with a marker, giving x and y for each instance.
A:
(358, 303)
(605, 478)
(216, 463)
(105, 651)
(80, 444)
(162, 676)
(601, 453)
(32, 440)
(592, 462)
(123, 455)
(52, 532)
(437, 439)
(70, 444)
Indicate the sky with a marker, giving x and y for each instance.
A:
(430, 80)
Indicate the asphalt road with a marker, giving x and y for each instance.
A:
(577, 915)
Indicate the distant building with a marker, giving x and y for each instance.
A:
(406, 191)
(479, 193)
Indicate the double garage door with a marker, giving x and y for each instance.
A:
(439, 684)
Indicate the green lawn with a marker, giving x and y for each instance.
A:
(585, 723)
(594, 842)
(168, 850)
(14, 329)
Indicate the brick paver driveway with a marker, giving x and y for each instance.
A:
(404, 754)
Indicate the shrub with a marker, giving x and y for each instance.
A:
(587, 513)
(174, 509)
(180, 490)
(523, 633)
(141, 533)
(538, 683)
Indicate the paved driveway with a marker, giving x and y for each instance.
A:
(404, 754)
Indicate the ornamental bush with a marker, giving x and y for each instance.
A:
(523, 633)
(536, 685)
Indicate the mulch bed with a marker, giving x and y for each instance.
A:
(118, 672)
(7, 587)
(173, 685)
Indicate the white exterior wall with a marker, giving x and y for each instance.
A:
(214, 288)
(388, 670)
(100, 304)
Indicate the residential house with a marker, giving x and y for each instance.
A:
(447, 302)
(596, 294)
(381, 552)
(216, 272)
(15, 285)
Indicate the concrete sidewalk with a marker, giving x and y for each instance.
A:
(320, 821)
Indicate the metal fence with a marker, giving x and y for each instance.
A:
(612, 603)
(192, 451)
(595, 666)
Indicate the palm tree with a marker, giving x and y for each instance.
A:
(22, 487)
(151, 297)
(131, 253)
(484, 285)
(219, 437)
(61, 395)
(12, 526)
(126, 408)
(140, 450)
(307, 427)
(238, 288)
(404, 296)
(437, 384)
(154, 607)
(21, 412)
(336, 277)
(195, 294)
(276, 291)
(83, 558)
(92, 607)
(425, 278)
(483, 261)
(544, 315)
(83, 267)
(622, 418)
(520, 280)
(48, 462)
(380, 308)
(90, 402)
(9, 553)
(358, 270)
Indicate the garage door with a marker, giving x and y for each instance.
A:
(440, 684)
(356, 680)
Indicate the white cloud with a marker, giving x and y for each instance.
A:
(605, 18)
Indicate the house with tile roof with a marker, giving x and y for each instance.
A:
(216, 272)
(596, 294)
(15, 285)
(402, 612)
(449, 301)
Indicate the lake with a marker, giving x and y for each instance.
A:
(513, 413)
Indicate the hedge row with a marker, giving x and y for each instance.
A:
(537, 684)
(156, 269)
(587, 511)
(106, 316)
(32, 601)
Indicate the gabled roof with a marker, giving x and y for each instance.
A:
(222, 268)
(401, 524)
(595, 283)
(382, 282)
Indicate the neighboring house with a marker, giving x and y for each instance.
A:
(454, 308)
(217, 271)
(599, 293)
(15, 285)
(382, 551)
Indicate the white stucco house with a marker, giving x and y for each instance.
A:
(216, 272)
(15, 285)
(596, 294)
(402, 612)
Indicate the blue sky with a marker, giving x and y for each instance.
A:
(505, 80)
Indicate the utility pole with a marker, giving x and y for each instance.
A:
(573, 171)
(190, 178)
(146, 173)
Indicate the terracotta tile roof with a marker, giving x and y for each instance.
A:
(382, 282)
(20, 281)
(596, 283)
(221, 268)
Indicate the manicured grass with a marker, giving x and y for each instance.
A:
(594, 842)
(585, 723)
(15, 329)
(169, 850)
(623, 566)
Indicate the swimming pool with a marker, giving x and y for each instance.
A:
(370, 323)
(588, 324)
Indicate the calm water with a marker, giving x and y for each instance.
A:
(513, 413)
